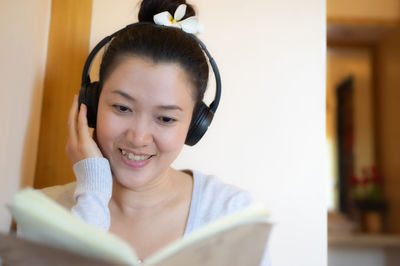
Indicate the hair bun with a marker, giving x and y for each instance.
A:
(149, 8)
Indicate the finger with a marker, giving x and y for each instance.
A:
(83, 128)
(72, 120)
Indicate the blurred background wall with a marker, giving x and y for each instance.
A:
(24, 29)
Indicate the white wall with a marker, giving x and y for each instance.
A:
(23, 38)
(268, 135)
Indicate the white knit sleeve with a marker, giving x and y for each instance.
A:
(93, 192)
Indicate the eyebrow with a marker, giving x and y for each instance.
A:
(125, 95)
(164, 107)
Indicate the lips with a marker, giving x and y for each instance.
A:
(135, 156)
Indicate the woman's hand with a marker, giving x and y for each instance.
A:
(80, 144)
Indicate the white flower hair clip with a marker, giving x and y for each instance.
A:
(189, 25)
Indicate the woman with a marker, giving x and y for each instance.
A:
(152, 81)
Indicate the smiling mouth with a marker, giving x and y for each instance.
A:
(134, 157)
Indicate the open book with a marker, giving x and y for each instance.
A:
(237, 239)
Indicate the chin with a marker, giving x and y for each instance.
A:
(136, 179)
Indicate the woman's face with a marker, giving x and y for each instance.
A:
(143, 118)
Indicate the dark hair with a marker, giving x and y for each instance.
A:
(159, 44)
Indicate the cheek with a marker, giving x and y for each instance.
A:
(106, 130)
(172, 140)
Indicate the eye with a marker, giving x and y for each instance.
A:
(166, 120)
(121, 108)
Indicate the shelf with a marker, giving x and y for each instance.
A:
(363, 240)
(358, 32)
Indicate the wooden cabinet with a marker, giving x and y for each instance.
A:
(68, 48)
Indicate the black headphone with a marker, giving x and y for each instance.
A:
(90, 91)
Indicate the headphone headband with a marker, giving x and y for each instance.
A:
(104, 41)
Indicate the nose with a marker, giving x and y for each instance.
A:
(139, 133)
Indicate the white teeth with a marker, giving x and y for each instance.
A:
(134, 157)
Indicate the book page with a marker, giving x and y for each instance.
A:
(238, 239)
(42, 220)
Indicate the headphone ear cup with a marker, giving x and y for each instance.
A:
(201, 120)
(89, 95)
